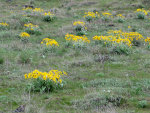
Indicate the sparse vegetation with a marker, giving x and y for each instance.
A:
(103, 46)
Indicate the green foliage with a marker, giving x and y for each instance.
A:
(80, 30)
(40, 85)
(120, 20)
(25, 57)
(140, 15)
(25, 19)
(1, 60)
(35, 31)
(100, 74)
(79, 45)
(48, 18)
(136, 42)
(142, 104)
(81, 33)
(88, 18)
(121, 49)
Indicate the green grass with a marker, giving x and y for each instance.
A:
(125, 76)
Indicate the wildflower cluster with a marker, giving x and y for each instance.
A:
(113, 40)
(120, 18)
(32, 29)
(53, 75)
(147, 40)
(131, 35)
(24, 34)
(24, 37)
(33, 9)
(77, 41)
(48, 17)
(80, 27)
(3, 26)
(106, 16)
(141, 13)
(89, 16)
(74, 38)
(38, 10)
(46, 81)
(49, 42)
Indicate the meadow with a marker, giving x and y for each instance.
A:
(74, 56)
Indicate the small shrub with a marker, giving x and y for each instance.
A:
(100, 74)
(142, 104)
(24, 37)
(3, 26)
(77, 41)
(1, 60)
(89, 16)
(49, 45)
(32, 29)
(136, 42)
(121, 49)
(141, 13)
(95, 100)
(106, 16)
(80, 28)
(25, 19)
(49, 17)
(25, 57)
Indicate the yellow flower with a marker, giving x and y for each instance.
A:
(4, 24)
(38, 10)
(129, 27)
(78, 23)
(48, 14)
(24, 34)
(53, 75)
(74, 38)
(143, 11)
(26, 76)
(91, 14)
(50, 42)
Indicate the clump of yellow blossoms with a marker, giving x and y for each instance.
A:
(53, 75)
(38, 10)
(131, 35)
(4, 24)
(33, 9)
(147, 40)
(49, 42)
(49, 16)
(32, 29)
(31, 26)
(79, 23)
(120, 16)
(141, 13)
(74, 38)
(80, 27)
(24, 34)
(89, 16)
(117, 36)
(106, 14)
(113, 40)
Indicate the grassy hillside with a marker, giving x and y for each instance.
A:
(99, 79)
